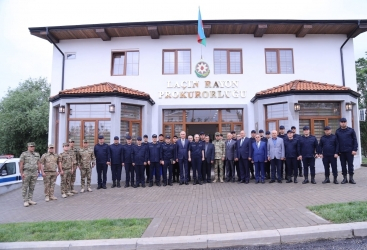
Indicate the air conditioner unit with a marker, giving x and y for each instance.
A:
(362, 114)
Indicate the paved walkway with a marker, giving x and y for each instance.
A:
(193, 210)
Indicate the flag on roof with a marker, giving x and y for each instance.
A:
(201, 35)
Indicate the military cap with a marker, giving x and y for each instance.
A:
(30, 144)
(51, 145)
(217, 134)
(267, 132)
(281, 127)
(327, 128)
(202, 133)
(116, 138)
(128, 137)
(306, 128)
(85, 140)
(289, 131)
(65, 144)
(253, 132)
(71, 140)
(261, 131)
(233, 132)
(343, 120)
(293, 127)
(168, 137)
(175, 136)
(161, 135)
(145, 136)
(139, 138)
(100, 137)
(154, 136)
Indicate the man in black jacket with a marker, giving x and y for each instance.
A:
(102, 154)
(348, 146)
(116, 162)
(307, 147)
(328, 150)
(127, 162)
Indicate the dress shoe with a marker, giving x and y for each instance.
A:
(208, 181)
(271, 181)
(200, 183)
(164, 184)
(181, 183)
(233, 181)
(256, 182)
(242, 181)
(170, 183)
(305, 181)
(126, 185)
(351, 181)
(289, 180)
(113, 184)
(158, 184)
(194, 182)
(99, 186)
(345, 180)
(118, 184)
(151, 184)
(135, 186)
(295, 180)
(335, 180)
(313, 181)
(186, 183)
(262, 181)
(104, 186)
(143, 185)
(247, 181)
(327, 180)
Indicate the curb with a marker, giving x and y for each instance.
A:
(253, 238)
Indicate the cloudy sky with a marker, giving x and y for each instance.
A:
(25, 56)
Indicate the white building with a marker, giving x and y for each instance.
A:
(141, 78)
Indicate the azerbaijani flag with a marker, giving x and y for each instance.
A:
(201, 34)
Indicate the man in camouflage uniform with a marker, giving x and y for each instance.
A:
(220, 152)
(29, 167)
(87, 162)
(75, 152)
(49, 172)
(66, 163)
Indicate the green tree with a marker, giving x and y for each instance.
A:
(24, 113)
(361, 72)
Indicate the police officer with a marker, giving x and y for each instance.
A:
(127, 162)
(103, 157)
(87, 162)
(139, 160)
(147, 171)
(219, 154)
(299, 162)
(291, 154)
(49, 172)
(168, 156)
(116, 151)
(66, 164)
(154, 154)
(29, 167)
(75, 153)
(161, 139)
(348, 146)
(307, 150)
(196, 157)
(328, 150)
(176, 167)
(250, 164)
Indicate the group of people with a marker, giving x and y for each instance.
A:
(164, 161)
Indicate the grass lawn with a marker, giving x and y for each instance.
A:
(342, 212)
(364, 160)
(73, 230)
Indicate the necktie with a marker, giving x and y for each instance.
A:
(183, 143)
(241, 142)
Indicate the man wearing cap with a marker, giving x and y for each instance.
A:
(87, 162)
(103, 158)
(283, 135)
(230, 155)
(161, 139)
(276, 154)
(154, 154)
(176, 167)
(74, 152)
(250, 163)
(299, 162)
(202, 137)
(139, 158)
(209, 159)
(49, 173)
(307, 149)
(145, 142)
(29, 167)
(348, 146)
(66, 163)
(196, 157)
(182, 154)
(328, 150)
(291, 154)
(167, 160)
(127, 162)
(244, 151)
(235, 163)
(116, 151)
(219, 154)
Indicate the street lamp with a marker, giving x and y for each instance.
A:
(62, 109)
(297, 107)
(111, 108)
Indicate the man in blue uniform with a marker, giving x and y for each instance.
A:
(348, 146)
(139, 160)
(291, 154)
(328, 150)
(116, 161)
(196, 156)
(209, 159)
(182, 154)
(102, 154)
(167, 160)
(299, 162)
(147, 172)
(307, 150)
(127, 162)
(154, 154)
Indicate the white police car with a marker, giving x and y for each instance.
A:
(10, 177)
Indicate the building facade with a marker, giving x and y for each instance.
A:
(146, 78)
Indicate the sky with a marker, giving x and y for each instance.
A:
(24, 56)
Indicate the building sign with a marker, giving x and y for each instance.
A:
(213, 89)
(202, 69)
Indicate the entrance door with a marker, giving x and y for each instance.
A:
(210, 129)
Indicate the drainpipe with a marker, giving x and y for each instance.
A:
(341, 51)
(63, 59)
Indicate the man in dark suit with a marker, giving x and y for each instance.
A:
(209, 159)
(244, 151)
(230, 155)
(259, 157)
(182, 157)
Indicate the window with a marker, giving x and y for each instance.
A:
(125, 63)
(8, 168)
(277, 115)
(176, 62)
(279, 61)
(130, 122)
(227, 61)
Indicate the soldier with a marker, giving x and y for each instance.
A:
(49, 173)
(220, 151)
(29, 167)
(139, 160)
(66, 163)
(87, 162)
(75, 153)
(167, 160)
